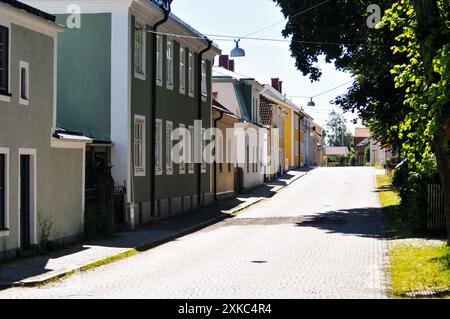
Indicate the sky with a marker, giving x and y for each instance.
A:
(265, 60)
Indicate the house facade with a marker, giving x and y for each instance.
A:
(41, 167)
(317, 143)
(241, 95)
(107, 92)
(361, 141)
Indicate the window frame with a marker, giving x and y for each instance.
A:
(182, 73)
(191, 166)
(159, 59)
(24, 100)
(4, 229)
(204, 85)
(5, 95)
(140, 166)
(169, 64)
(158, 147)
(191, 75)
(182, 165)
(140, 29)
(169, 146)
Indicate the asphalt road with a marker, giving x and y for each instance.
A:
(321, 237)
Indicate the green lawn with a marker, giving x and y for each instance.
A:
(413, 268)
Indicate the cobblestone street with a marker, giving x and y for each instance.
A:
(321, 237)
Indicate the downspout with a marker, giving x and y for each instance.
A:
(200, 116)
(153, 107)
(215, 154)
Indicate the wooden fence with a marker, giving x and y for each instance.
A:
(436, 214)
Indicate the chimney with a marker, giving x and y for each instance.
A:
(224, 61)
(277, 84)
(231, 65)
(280, 86)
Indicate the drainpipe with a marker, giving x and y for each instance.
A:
(215, 153)
(200, 116)
(153, 106)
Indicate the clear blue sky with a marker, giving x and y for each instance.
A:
(263, 60)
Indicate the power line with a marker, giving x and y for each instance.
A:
(293, 16)
(320, 94)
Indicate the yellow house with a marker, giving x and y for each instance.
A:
(296, 143)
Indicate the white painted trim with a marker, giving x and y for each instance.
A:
(33, 194)
(159, 170)
(24, 65)
(182, 168)
(191, 69)
(4, 98)
(138, 75)
(5, 151)
(169, 162)
(169, 85)
(159, 60)
(142, 171)
(7, 23)
(65, 144)
(182, 53)
(191, 166)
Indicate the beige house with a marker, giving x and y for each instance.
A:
(224, 170)
(317, 145)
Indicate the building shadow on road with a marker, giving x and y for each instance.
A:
(363, 222)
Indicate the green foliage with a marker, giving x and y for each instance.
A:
(351, 159)
(337, 132)
(45, 225)
(367, 155)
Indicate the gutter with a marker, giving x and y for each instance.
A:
(215, 158)
(153, 107)
(200, 115)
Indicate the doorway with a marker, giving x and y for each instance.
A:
(27, 199)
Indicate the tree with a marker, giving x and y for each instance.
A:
(337, 132)
(409, 107)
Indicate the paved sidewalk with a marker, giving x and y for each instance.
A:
(41, 269)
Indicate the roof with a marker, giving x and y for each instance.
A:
(32, 10)
(62, 134)
(336, 151)
(218, 106)
(265, 109)
(364, 142)
(362, 132)
(221, 72)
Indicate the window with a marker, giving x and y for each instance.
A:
(158, 148)
(3, 188)
(139, 52)
(220, 167)
(191, 162)
(24, 82)
(169, 64)
(169, 144)
(4, 60)
(204, 85)
(182, 71)
(203, 166)
(139, 145)
(182, 170)
(191, 75)
(159, 60)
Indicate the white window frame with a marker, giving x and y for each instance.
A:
(5, 232)
(182, 165)
(159, 60)
(140, 170)
(204, 88)
(191, 76)
(169, 64)
(182, 71)
(158, 146)
(203, 164)
(191, 166)
(26, 66)
(169, 146)
(140, 28)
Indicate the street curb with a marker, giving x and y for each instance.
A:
(138, 249)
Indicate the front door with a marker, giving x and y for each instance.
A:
(25, 195)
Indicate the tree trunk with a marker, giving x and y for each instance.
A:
(429, 35)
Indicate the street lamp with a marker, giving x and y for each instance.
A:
(237, 52)
(311, 103)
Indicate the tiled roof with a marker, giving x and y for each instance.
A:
(22, 6)
(362, 132)
(265, 111)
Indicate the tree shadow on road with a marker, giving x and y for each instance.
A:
(363, 222)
